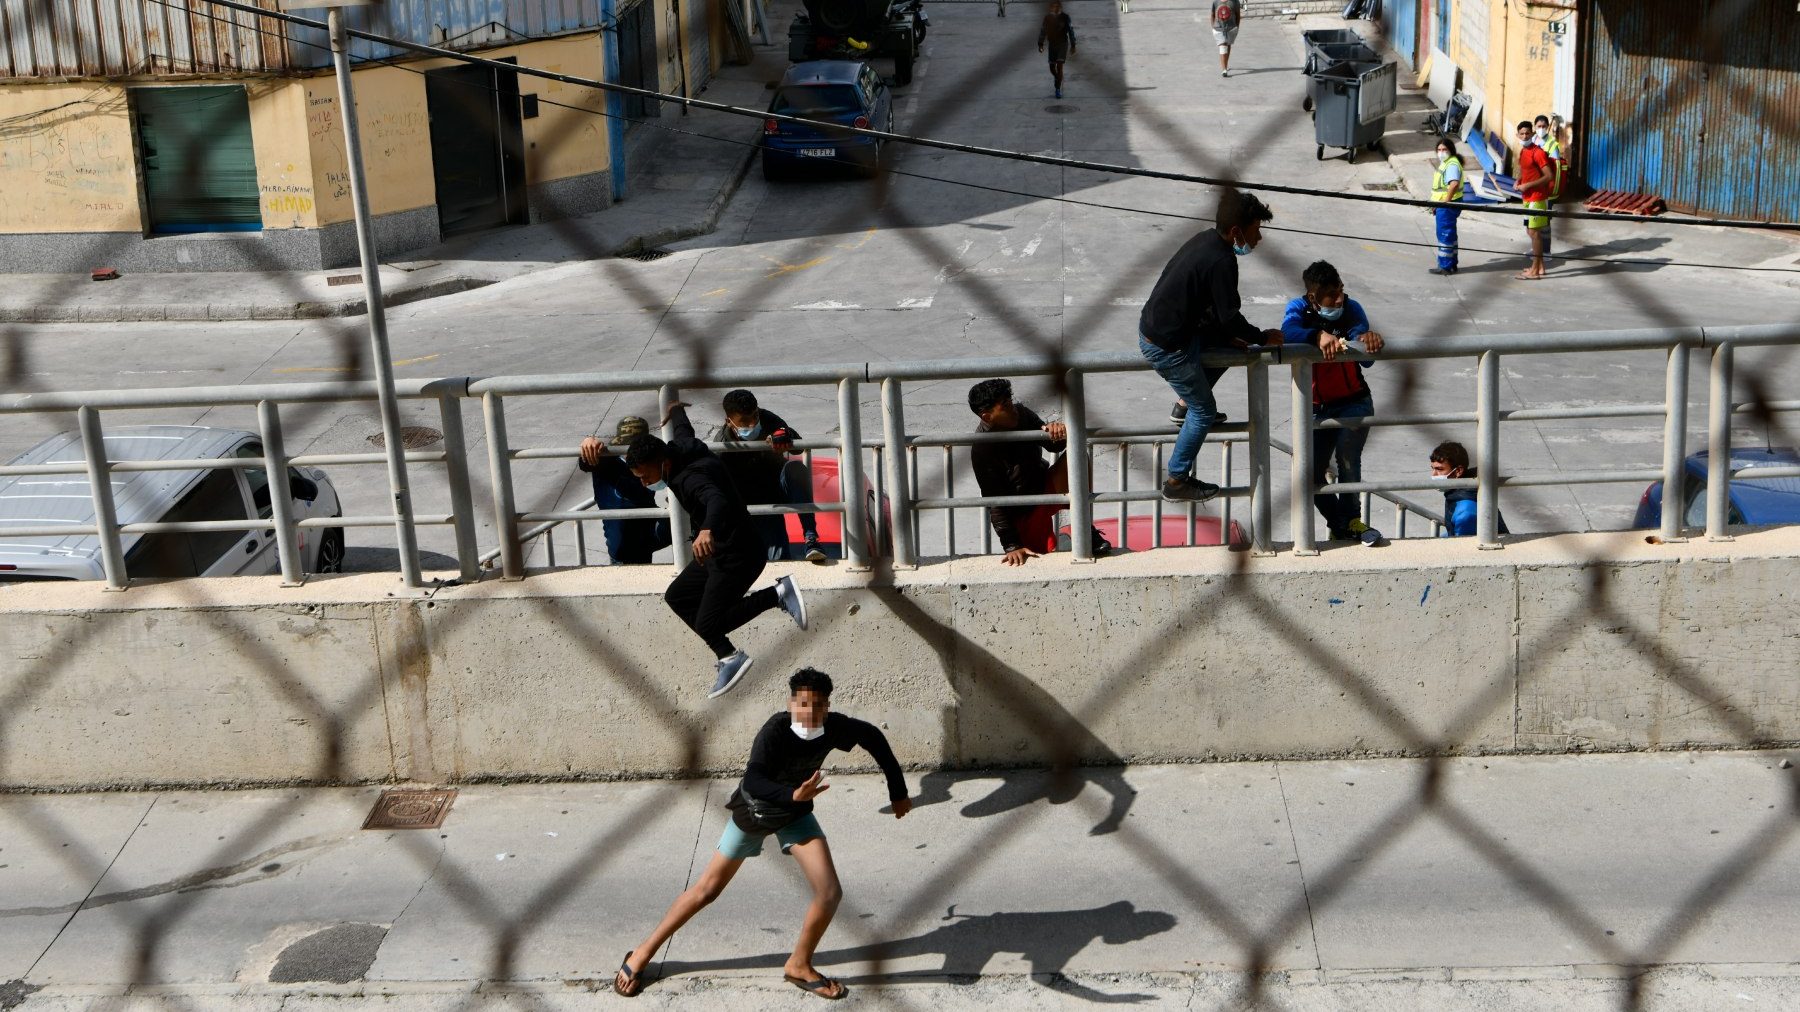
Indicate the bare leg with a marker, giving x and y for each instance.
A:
(1224, 57)
(815, 862)
(712, 882)
(1537, 252)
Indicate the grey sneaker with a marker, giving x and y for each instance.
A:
(1188, 490)
(813, 552)
(791, 601)
(731, 670)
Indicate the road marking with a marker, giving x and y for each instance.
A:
(1032, 246)
(787, 268)
(716, 291)
(345, 368)
(867, 235)
(924, 303)
(827, 304)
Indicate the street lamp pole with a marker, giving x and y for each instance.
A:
(392, 440)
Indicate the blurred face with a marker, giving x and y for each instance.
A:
(1003, 415)
(1442, 469)
(808, 708)
(650, 474)
(1327, 298)
(1055, 8)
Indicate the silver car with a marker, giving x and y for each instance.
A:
(162, 497)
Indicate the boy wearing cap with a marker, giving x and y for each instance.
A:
(628, 542)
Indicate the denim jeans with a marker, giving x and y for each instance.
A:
(1193, 384)
(1446, 237)
(1345, 446)
(796, 487)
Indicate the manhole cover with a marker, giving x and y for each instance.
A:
(343, 279)
(1381, 186)
(1062, 110)
(410, 809)
(645, 255)
(412, 437)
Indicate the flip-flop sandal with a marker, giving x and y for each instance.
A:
(817, 987)
(1528, 277)
(632, 987)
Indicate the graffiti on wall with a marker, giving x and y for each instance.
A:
(75, 160)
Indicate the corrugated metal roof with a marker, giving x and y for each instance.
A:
(117, 38)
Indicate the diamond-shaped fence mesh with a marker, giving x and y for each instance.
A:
(1058, 730)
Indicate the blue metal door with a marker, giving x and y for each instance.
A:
(1401, 21)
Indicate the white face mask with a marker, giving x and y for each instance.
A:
(807, 733)
(657, 486)
(1440, 477)
(1442, 157)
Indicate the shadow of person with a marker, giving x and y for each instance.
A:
(1046, 939)
(1019, 788)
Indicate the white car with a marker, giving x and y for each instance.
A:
(162, 497)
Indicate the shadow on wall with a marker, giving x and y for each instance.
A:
(1046, 939)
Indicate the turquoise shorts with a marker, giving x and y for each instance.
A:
(738, 845)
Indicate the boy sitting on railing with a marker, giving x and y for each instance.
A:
(766, 479)
(628, 542)
(1019, 468)
(1451, 460)
(1329, 320)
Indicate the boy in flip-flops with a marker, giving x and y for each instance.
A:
(776, 799)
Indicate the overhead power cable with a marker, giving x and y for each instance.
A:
(975, 149)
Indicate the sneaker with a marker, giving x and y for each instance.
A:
(1102, 547)
(1224, 73)
(1364, 533)
(1442, 272)
(731, 670)
(791, 601)
(813, 552)
(1059, 93)
(1178, 413)
(1188, 490)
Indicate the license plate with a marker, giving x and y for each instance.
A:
(818, 152)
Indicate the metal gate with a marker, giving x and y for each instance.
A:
(1402, 23)
(638, 66)
(695, 15)
(1705, 122)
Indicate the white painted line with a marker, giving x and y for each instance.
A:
(827, 304)
(924, 303)
(1032, 246)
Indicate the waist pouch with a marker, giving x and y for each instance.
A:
(754, 816)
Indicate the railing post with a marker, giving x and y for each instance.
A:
(506, 517)
(1224, 501)
(854, 521)
(1262, 506)
(1081, 487)
(1487, 451)
(1300, 463)
(281, 498)
(1718, 449)
(106, 517)
(680, 538)
(462, 497)
(900, 491)
(1675, 398)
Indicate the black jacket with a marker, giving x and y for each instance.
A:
(1012, 469)
(780, 760)
(1197, 297)
(704, 488)
(628, 542)
(758, 475)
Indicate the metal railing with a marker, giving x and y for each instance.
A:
(893, 457)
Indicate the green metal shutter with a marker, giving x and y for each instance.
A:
(199, 164)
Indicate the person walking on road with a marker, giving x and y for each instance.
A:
(776, 798)
(1227, 16)
(1534, 186)
(1446, 189)
(1058, 36)
(709, 594)
(1193, 309)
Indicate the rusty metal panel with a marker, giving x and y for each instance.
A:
(1645, 95)
(1774, 106)
(117, 38)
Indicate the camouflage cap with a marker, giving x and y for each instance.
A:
(630, 427)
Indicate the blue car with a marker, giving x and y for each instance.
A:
(1754, 501)
(847, 92)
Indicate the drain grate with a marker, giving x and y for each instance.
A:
(343, 279)
(410, 809)
(1381, 186)
(412, 437)
(645, 255)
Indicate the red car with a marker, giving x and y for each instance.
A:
(831, 525)
(1139, 532)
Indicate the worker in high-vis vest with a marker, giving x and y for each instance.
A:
(1546, 139)
(1447, 190)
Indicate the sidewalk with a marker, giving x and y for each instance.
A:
(1528, 883)
(677, 192)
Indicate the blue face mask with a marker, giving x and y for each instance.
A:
(750, 433)
(1240, 249)
(1330, 312)
(657, 486)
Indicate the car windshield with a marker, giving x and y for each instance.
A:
(817, 100)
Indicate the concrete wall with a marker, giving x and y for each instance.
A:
(1180, 654)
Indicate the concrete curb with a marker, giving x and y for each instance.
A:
(709, 220)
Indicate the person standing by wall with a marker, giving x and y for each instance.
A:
(1545, 133)
(1227, 17)
(1534, 186)
(1057, 36)
(1447, 189)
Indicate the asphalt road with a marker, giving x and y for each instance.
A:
(913, 267)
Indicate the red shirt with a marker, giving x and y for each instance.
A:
(1535, 160)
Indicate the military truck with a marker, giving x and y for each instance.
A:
(860, 29)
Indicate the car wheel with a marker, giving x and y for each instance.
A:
(331, 551)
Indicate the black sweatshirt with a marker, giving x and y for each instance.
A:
(1197, 296)
(780, 760)
(704, 488)
(758, 475)
(1012, 469)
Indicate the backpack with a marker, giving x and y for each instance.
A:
(1225, 15)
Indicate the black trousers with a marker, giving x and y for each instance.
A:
(709, 597)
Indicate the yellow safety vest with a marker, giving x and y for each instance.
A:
(1554, 149)
(1440, 190)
